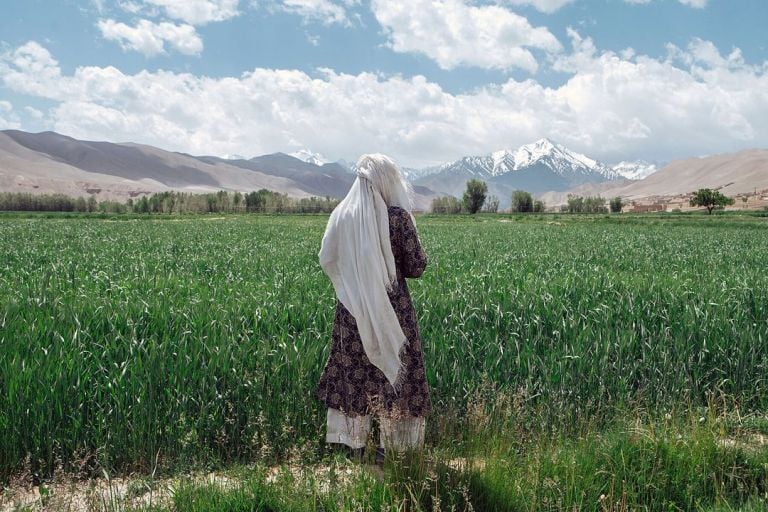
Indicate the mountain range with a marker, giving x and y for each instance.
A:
(538, 167)
(49, 162)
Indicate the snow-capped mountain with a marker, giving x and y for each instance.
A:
(555, 157)
(537, 167)
(308, 156)
(635, 170)
(412, 174)
(558, 158)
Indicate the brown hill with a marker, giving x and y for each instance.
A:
(742, 173)
(52, 163)
(735, 173)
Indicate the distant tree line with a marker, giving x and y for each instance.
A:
(28, 202)
(472, 201)
(261, 201)
(446, 204)
(523, 202)
(475, 199)
(584, 204)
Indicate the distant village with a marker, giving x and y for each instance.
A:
(756, 200)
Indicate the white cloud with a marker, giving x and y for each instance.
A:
(197, 12)
(699, 4)
(151, 38)
(130, 6)
(33, 113)
(31, 69)
(614, 107)
(454, 34)
(8, 118)
(542, 5)
(324, 11)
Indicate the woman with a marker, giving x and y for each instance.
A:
(376, 365)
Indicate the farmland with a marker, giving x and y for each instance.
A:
(179, 342)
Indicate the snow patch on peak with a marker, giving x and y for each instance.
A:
(308, 156)
(544, 145)
(558, 158)
(636, 170)
(503, 162)
(541, 153)
(500, 155)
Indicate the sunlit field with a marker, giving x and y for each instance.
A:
(586, 362)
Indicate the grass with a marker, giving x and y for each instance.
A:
(148, 345)
(675, 462)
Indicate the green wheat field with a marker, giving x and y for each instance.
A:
(575, 362)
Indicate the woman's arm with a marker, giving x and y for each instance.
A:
(413, 257)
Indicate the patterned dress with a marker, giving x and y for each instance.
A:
(349, 382)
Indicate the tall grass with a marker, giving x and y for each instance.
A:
(137, 344)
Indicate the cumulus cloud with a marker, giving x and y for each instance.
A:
(453, 33)
(151, 38)
(130, 6)
(324, 11)
(9, 120)
(614, 107)
(33, 70)
(542, 5)
(197, 12)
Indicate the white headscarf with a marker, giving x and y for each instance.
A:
(357, 256)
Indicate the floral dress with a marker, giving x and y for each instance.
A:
(349, 382)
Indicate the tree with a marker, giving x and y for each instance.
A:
(254, 202)
(80, 205)
(237, 200)
(588, 204)
(143, 205)
(447, 204)
(492, 204)
(616, 205)
(522, 201)
(595, 204)
(710, 199)
(474, 196)
(575, 204)
(538, 206)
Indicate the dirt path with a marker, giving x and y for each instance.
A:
(124, 493)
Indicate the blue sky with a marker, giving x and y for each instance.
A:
(425, 80)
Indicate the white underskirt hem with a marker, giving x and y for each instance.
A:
(398, 434)
(348, 430)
